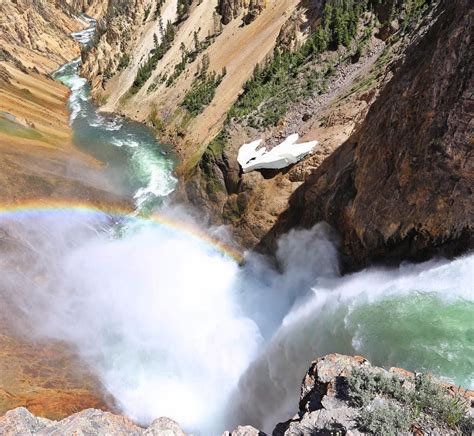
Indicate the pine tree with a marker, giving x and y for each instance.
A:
(321, 39)
(161, 27)
(196, 41)
(169, 33)
(183, 9)
(205, 64)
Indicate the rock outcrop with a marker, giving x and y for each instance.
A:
(244, 430)
(255, 8)
(90, 421)
(231, 9)
(401, 187)
(115, 32)
(346, 395)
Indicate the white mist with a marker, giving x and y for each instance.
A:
(174, 328)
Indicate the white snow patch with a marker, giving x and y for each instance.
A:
(287, 153)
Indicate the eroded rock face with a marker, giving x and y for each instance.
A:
(90, 421)
(231, 9)
(401, 187)
(35, 33)
(255, 8)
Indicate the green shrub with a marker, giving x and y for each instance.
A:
(202, 92)
(157, 14)
(384, 420)
(426, 403)
(124, 62)
(146, 70)
(147, 12)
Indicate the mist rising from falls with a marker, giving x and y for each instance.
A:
(154, 312)
(419, 317)
(173, 327)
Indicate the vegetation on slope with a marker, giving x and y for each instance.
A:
(189, 56)
(146, 70)
(202, 90)
(424, 404)
(290, 76)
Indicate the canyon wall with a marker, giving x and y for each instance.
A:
(128, 43)
(35, 33)
(401, 186)
(332, 74)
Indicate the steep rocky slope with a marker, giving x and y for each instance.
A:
(401, 186)
(326, 94)
(217, 36)
(210, 79)
(93, 8)
(31, 38)
(130, 38)
(38, 162)
(339, 395)
(346, 395)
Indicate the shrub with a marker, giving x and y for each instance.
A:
(384, 420)
(146, 70)
(202, 92)
(124, 61)
(427, 403)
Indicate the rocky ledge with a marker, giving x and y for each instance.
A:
(347, 395)
(88, 422)
(340, 395)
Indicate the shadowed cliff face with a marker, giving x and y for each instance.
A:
(401, 187)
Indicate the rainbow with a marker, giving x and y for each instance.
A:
(27, 209)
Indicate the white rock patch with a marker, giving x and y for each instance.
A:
(287, 153)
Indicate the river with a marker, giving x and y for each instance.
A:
(135, 161)
(173, 326)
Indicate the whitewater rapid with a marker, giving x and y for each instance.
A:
(173, 327)
(135, 161)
